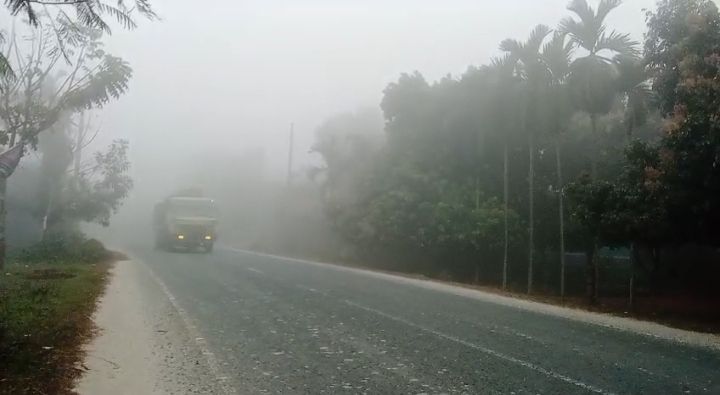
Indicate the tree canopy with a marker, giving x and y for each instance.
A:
(61, 69)
(581, 112)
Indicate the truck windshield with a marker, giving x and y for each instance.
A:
(193, 208)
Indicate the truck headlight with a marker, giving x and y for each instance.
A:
(181, 237)
(208, 237)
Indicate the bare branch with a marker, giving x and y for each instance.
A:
(97, 131)
(85, 131)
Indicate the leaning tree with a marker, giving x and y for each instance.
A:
(61, 68)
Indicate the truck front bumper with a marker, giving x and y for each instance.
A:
(193, 241)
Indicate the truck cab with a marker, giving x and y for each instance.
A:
(186, 222)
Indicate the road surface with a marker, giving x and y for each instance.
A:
(266, 325)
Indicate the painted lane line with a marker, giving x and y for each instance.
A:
(213, 363)
(486, 350)
(255, 270)
(306, 288)
(623, 324)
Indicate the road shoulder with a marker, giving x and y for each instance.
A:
(120, 360)
(141, 347)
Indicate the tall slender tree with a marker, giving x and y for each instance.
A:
(526, 57)
(592, 79)
(557, 56)
(507, 87)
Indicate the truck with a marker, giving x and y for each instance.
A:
(185, 222)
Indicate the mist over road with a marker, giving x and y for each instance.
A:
(279, 326)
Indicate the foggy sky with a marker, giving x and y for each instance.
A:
(235, 74)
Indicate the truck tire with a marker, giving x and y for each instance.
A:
(209, 248)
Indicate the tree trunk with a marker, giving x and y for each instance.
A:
(79, 146)
(593, 138)
(629, 132)
(655, 273)
(634, 262)
(3, 215)
(634, 253)
(3, 210)
(48, 209)
(505, 214)
(656, 258)
(590, 272)
(531, 227)
(596, 265)
(477, 206)
(477, 189)
(562, 216)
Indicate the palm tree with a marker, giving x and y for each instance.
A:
(592, 75)
(632, 82)
(530, 67)
(506, 83)
(557, 56)
(591, 78)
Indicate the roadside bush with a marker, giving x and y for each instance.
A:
(67, 247)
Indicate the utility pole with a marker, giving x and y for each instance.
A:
(290, 154)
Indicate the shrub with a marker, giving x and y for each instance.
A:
(66, 247)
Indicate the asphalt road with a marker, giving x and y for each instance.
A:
(275, 326)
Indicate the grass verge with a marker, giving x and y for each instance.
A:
(46, 312)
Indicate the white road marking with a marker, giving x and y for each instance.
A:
(255, 270)
(488, 351)
(212, 362)
(306, 288)
(646, 328)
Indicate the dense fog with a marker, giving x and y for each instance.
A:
(384, 133)
(215, 84)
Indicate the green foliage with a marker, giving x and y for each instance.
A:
(435, 186)
(677, 29)
(97, 193)
(65, 247)
(593, 205)
(665, 194)
(443, 219)
(41, 99)
(632, 83)
(683, 47)
(592, 75)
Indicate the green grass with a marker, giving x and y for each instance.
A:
(45, 318)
